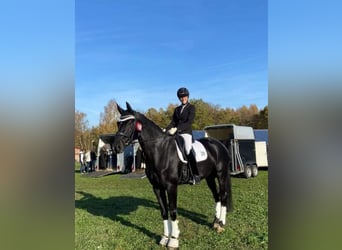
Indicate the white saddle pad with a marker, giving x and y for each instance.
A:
(200, 152)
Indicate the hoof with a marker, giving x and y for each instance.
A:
(216, 223)
(164, 240)
(173, 244)
(220, 229)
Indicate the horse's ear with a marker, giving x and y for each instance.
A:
(119, 109)
(129, 108)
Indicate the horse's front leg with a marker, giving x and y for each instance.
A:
(172, 195)
(161, 197)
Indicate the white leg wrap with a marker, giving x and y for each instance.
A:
(223, 214)
(167, 231)
(167, 227)
(175, 229)
(218, 210)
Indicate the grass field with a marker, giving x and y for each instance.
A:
(118, 213)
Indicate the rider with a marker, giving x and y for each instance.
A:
(182, 120)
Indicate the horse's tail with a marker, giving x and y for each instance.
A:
(229, 194)
(226, 156)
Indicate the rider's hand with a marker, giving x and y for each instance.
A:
(172, 131)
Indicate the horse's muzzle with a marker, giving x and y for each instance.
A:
(118, 145)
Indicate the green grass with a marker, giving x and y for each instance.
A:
(117, 213)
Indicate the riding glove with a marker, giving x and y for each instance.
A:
(172, 131)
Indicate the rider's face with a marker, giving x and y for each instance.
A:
(184, 99)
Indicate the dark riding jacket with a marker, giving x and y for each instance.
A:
(183, 120)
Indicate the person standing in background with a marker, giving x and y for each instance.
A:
(82, 161)
(93, 160)
(88, 161)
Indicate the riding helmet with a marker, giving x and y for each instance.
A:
(182, 92)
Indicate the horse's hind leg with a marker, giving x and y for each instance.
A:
(226, 200)
(212, 186)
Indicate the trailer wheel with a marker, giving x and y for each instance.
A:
(254, 171)
(248, 172)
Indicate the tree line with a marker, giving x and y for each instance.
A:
(206, 114)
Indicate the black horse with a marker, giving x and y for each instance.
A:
(163, 167)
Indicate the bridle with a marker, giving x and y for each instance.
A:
(126, 118)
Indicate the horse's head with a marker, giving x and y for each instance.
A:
(126, 128)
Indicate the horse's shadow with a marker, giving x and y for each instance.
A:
(114, 207)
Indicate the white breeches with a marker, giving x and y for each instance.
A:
(188, 142)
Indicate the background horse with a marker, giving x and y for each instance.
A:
(163, 168)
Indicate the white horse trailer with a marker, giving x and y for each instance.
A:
(247, 154)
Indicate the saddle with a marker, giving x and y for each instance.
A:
(198, 151)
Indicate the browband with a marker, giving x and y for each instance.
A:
(126, 117)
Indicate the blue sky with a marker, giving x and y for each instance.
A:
(143, 51)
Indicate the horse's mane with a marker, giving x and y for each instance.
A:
(145, 120)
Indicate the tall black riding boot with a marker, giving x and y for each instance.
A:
(195, 179)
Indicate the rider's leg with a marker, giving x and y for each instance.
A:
(191, 159)
(193, 165)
